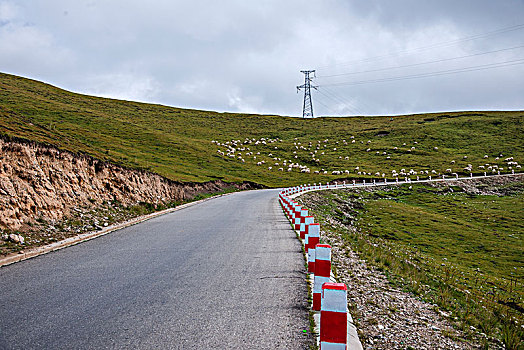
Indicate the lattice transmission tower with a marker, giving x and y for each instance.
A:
(307, 111)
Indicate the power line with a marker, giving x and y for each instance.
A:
(328, 108)
(430, 47)
(361, 103)
(338, 99)
(433, 74)
(334, 100)
(420, 63)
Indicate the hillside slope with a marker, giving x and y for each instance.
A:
(177, 143)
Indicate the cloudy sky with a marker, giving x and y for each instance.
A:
(371, 57)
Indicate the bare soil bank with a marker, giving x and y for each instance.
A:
(48, 194)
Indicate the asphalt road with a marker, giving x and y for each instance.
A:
(224, 274)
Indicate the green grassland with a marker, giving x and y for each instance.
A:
(457, 247)
(177, 143)
(469, 232)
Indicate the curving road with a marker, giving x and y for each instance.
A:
(227, 273)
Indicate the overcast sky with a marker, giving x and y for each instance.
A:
(246, 56)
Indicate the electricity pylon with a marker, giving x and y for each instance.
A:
(307, 111)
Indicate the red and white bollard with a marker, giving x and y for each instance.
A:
(312, 236)
(322, 272)
(300, 218)
(294, 212)
(312, 239)
(303, 226)
(333, 317)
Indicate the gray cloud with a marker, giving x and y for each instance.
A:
(246, 56)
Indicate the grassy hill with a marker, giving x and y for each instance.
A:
(177, 143)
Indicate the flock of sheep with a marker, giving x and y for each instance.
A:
(260, 152)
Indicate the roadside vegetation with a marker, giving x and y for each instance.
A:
(458, 246)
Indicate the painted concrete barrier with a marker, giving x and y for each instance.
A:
(300, 218)
(308, 230)
(308, 220)
(333, 317)
(312, 239)
(322, 272)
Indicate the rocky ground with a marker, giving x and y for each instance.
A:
(80, 220)
(386, 316)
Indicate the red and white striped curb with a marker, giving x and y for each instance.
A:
(308, 220)
(322, 272)
(319, 267)
(333, 317)
(311, 240)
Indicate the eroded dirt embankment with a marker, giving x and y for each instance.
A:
(41, 187)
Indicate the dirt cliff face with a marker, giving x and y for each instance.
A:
(42, 183)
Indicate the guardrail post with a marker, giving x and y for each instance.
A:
(322, 272)
(312, 239)
(299, 218)
(295, 212)
(333, 317)
(308, 220)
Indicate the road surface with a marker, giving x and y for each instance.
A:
(225, 274)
